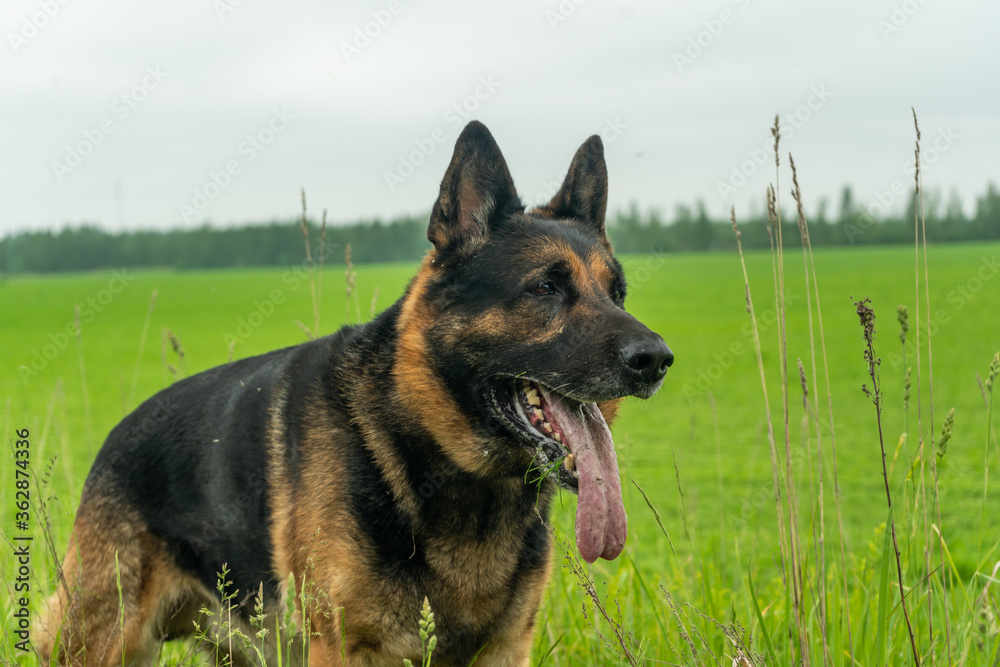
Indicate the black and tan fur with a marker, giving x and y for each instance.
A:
(380, 463)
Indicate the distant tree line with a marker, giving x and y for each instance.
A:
(693, 229)
(281, 243)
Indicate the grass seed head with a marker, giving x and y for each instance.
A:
(304, 226)
(350, 275)
(867, 317)
(916, 152)
(776, 133)
(772, 212)
(805, 386)
(994, 371)
(903, 317)
(906, 388)
(175, 343)
(288, 622)
(797, 196)
(949, 423)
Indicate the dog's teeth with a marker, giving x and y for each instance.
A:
(533, 397)
(539, 414)
(569, 462)
(547, 426)
(557, 437)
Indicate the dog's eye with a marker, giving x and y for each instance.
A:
(618, 296)
(543, 288)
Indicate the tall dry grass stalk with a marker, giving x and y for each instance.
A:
(175, 345)
(990, 379)
(304, 225)
(138, 358)
(83, 377)
(922, 441)
(775, 468)
(920, 238)
(833, 441)
(351, 278)
(372, 311)
(319, 282)
(867, 318)
(778, 267)
(821, 540)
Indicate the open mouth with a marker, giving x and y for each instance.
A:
(571, 439)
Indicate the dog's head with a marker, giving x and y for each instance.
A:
(516, 331)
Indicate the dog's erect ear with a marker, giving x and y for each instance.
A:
(476, 190)
(584, 194)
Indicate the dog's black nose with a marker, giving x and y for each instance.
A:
(648, 356)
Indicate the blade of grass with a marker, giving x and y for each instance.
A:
(760, 619)
(994, 371)
(652, 600)
(656, 514)
(549, 651)
(142, 345)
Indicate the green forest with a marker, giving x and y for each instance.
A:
(281, 243)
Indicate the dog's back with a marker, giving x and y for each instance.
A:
(177, 493)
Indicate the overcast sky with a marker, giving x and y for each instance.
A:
(160, 114)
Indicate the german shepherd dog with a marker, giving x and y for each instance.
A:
(413, 457)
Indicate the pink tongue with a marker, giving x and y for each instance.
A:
(601, 524)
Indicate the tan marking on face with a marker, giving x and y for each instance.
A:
(610, 409)
(591, 277)
(499, 325)
(601, 274)
(591, 274)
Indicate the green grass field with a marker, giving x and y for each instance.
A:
(704, 436)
